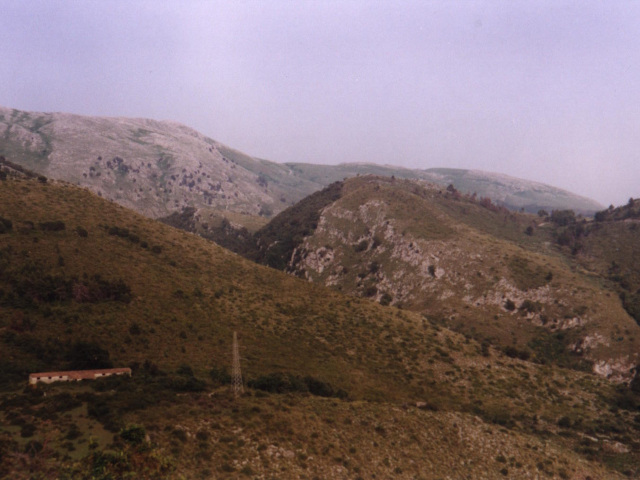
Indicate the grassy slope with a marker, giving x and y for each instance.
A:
(489, 413)
(382, 234)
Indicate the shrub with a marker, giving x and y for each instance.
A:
(386, 299)
(513, 352)
(530, 306)
(220, 376)
(133, 434)
(370, 291)
(118, 232)
(82, 232)
(27, 431)
(362, 246)
(563, 217)
(54, 226)
(185, 370)
(86, 356)
(283, 382)
(5, 225)
(564, 422)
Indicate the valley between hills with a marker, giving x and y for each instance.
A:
(389, 327)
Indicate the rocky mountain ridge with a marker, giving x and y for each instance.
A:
(497, 275)
(158, 168)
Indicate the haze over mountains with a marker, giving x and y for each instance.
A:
(159, 167)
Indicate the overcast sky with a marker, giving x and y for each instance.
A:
(548, 91)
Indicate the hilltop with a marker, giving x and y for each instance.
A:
(338, 386)
(159, 168)
(500, 276)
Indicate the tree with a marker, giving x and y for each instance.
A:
(563, 217)
(87, 356)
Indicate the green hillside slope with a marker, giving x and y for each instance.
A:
(338, 387)
(499, 276)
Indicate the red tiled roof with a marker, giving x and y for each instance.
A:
(80, 374)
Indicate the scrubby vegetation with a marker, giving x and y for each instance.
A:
(277, 241)
(420, 396)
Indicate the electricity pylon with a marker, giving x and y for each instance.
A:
(236, 373)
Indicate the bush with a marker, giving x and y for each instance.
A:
(283, 382)
(133, 434)
(5, 225)
(386, 299)
(513, 352)
(530, 306)
(564, 422)
(563, 217)
(82, 232)
(54, 226)
(27, 431)
(118, 232)
(362, 246)
(220, 376)
(87, 356)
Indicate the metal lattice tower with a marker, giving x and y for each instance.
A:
(236, 373)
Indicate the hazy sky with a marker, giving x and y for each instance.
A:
(544, 90)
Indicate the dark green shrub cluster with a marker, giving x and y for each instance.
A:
(87, 356)
(631, 303)
(529, 306)
(386, 299)
(572, 236)
(361, 246)
(31, 283)
(121, 394)
(285, 382)
(19, 168)
(630, 210)
(5, 225)
(133, 434)
(551, 347)
(220, 376)
(563, 217)
(513, 352)
(122, 232)
(53, 226)
(96, 289)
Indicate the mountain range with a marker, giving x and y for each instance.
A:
(393, 323)
(158, 168)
